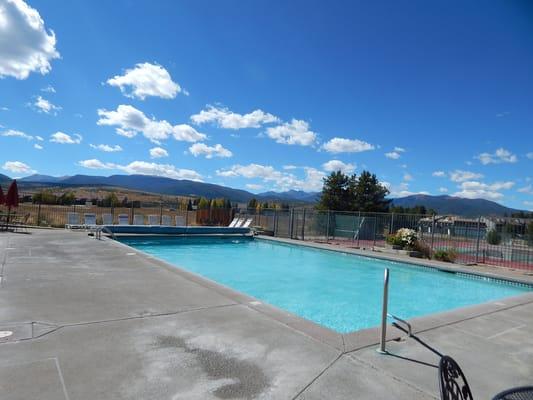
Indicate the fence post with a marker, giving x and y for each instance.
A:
(291, 222)
(359, 229)
(391, 228)
(39, 214)
(131, 213)
(375, 229)
(327, 227)
(478, 238)
(432, 231)
(187, 217)
(160, 212)
(303, 226)
(275, 223)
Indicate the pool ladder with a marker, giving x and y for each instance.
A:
(384, 315)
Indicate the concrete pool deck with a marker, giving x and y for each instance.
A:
(98, 320)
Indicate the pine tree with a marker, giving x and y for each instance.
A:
(370, 194)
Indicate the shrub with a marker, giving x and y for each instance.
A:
(445, 255)
(404, 237)
(493, 237)
(422, 248)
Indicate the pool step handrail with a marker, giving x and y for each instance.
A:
(383, 340)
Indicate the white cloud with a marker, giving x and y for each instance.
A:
(106, 148)
(217, 150)
(158, 152)
(407, 177)
(48, 89)
(129, 122)
(63, 138)
(341, 145)
(401, 190)
(480, 190)
(393, 155)
(526, 189)
(443, 190)
(225, 118)
(294, 132)
(530, 155)
(289, 167)
(187, 133)
(146, 80)
(254, 186)
(499, 156)
(312, 180)
(461, 176)
(145, 168)
(15, 133)
(39, 138)
(337, 165)
(25, 44)
(44, 106)
(96, 164)
(528, 204)
(37, 146)
(17, 167)
(439, 174)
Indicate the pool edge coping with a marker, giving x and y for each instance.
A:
(344, 342)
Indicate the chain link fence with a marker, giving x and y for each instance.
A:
(506, 242)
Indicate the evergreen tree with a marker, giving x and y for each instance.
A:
(338, 192)
(252, 204)
(370, 194)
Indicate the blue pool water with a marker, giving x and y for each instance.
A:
(340, 291)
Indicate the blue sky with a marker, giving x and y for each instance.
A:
(433, 97)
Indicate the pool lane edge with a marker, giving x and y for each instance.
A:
(350, 341)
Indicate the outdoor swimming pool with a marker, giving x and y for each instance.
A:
(340, 291)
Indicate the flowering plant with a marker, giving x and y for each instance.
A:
(404, 237)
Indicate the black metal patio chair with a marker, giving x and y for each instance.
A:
(452, 381)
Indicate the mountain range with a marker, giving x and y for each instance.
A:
(447, 205)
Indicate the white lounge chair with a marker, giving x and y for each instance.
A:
(153, 220)
(238, 222)
(246, 224)
(138, 219)
(232, 223)
(73, 221)
(89, 220)
(166, 220)
(107, 219)
(123, 219)
(180, 220)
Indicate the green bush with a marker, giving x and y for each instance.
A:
(394, 240)
(493, 237)
(445, 255)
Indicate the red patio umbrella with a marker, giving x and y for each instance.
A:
(12, 198)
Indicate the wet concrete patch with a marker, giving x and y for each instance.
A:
(247, 379)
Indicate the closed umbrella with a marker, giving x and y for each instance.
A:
(12, 198)
(2, 197)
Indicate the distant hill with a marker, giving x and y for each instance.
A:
(4, 178)
(291, 195)
(454, 205)
(36, 178)
(174, 187)
(147, 183)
